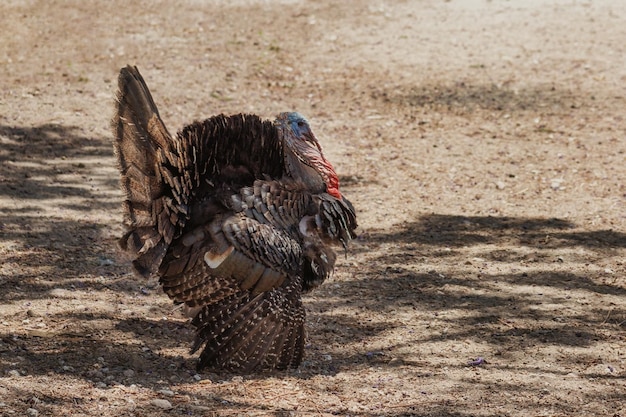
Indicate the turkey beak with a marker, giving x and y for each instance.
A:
(311, 146)
(311, 140)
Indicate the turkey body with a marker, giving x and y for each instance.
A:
(236, 216)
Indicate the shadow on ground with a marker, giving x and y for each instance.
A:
(486, 307)
(34, 160)
(72, 253)
(42, 229)
(464, 97)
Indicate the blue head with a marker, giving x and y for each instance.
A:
(298, 124)
(300, 141)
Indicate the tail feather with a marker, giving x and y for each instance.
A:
(154, 212)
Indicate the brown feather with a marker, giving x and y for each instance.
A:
(234, 223)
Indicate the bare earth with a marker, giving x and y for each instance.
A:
(482, 143)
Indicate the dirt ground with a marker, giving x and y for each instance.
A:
(482, 143)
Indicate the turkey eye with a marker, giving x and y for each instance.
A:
(300, 123)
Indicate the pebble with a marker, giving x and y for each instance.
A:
(14, 373)
(166, 392)
(555, 184)
(59, 293)
(327, 358)
(95, 374)
(105, 261)
(395, 361)
(31, 412)
(200, 408)
(164, 404)
(129, 373)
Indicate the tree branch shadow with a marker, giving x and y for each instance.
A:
(49, 174)
(458, 231)
(495, 309)
(35, 159)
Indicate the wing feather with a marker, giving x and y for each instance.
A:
(242, 332)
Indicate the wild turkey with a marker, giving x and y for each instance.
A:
(234, 215)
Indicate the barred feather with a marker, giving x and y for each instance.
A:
(234, 215)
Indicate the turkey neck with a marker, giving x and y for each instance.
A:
(303, 173)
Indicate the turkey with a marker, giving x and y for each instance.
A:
(235, 215)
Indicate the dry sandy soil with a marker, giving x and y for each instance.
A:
(482, 143)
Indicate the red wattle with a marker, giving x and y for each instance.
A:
(331, 180)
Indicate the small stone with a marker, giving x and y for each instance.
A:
(166, 392)
(102, 261)
(200, 408)
(101, 385)
(500, 185)
(14, 373)
(555, 184)
(96, 374)
(60, 293)
(160, 403)
(128, 373)
(31, 412)
(197, 377)
(395, 361)
(327, 358)
(237, 379)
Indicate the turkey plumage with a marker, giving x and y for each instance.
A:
(235, 216)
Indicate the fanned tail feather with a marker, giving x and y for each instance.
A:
(155, 207)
